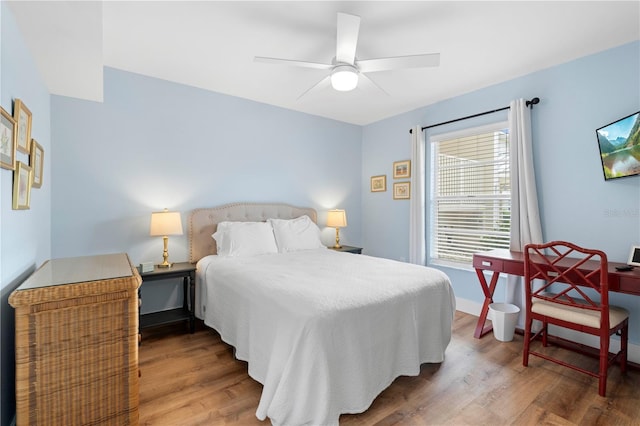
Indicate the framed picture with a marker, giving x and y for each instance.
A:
(21, 186)
(634, 256)
(22, 115)
(402, 169)
(8, 129)
(379, 183)
(401, 190)
(36, 161)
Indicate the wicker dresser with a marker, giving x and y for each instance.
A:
(77, 342)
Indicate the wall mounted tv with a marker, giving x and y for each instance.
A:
(619, 144)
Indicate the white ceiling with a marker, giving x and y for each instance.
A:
(211, 45)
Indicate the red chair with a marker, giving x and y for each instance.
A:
(572, 292)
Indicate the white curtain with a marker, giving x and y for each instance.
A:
(525, 216)
(417, 243)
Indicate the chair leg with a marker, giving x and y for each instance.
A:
(545, 330)
(604, 364)
(527, 341)
(624, 338)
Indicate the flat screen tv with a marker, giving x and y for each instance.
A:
(619, 144)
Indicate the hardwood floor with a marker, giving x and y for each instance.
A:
(193, 379)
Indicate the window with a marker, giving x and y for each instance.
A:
(470, 193)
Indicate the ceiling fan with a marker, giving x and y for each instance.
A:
(345, 69)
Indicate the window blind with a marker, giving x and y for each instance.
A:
(471, 194)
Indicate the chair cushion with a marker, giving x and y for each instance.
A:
(577, 315)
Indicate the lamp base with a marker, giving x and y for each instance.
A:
(337, 244)
(165, 254)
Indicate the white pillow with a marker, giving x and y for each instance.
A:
(296, 234)
(244, 239)
(222, 243)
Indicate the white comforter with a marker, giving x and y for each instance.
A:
(325, 332)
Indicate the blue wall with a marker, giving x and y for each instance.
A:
(576, 204)
(155, 144)
(25, 235)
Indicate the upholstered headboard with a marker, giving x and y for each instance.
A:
(204, 222)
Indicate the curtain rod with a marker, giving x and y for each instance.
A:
(530, 104)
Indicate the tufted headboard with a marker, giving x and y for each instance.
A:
(204, 222)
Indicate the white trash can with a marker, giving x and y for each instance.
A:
(504, 317)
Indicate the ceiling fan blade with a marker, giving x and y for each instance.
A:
(367, 81)
(291, 62)
(347, 38)
(319, 85)
(399, 62)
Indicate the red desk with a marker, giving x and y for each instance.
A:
(512, 262)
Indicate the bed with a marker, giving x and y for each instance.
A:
(324, 332)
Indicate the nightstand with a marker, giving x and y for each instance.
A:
(184, 270)
(348, 249)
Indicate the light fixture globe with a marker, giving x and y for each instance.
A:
(344, 78)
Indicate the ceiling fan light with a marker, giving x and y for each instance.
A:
(344, 78)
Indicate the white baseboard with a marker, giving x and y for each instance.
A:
(633, 351)
(468, 306)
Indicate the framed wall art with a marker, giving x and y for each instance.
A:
(36, 161)
(22, 115)
(402, 169)
(401, 190)
(8, 129)
(21, 186)
(379, 183)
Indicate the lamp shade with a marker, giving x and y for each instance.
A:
(165, 223)
(336, 218)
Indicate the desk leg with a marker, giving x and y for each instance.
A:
(488, 291)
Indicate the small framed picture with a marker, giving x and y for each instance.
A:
(634, 256)
(402, 169)
(22, 115)
(36, 161)
(8, 129)
(401, 190)
(21, 186)
(379, 183)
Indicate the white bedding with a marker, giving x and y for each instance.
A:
(325, 332)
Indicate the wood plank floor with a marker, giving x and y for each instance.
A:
(193, 379)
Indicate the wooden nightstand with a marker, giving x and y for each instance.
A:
(348, 249)
(186, 271)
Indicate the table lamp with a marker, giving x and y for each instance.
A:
(337, 219)
(163, 224)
